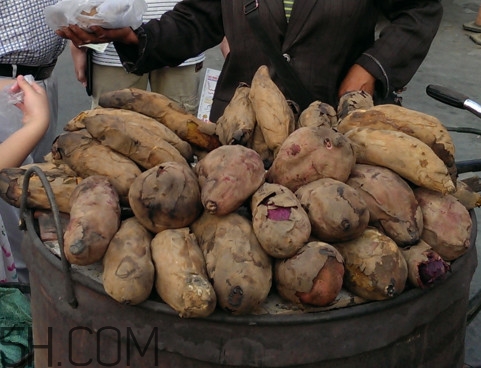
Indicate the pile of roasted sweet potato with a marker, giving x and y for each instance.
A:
(268, 199)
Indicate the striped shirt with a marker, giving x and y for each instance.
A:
(288, 8)
(155, 9)
(25, 38)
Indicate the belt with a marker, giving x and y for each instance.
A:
(38, 72)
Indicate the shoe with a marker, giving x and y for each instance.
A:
(476, 39)
(472, 27)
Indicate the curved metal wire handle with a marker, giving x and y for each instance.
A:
(69, 289)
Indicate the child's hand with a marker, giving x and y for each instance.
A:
(35, 103)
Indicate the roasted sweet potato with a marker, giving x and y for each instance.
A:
(353, 101)
(424, 127)
(375, 269)
(393, 208)
(318, 113)
(128, 270)
(238, 267)
(188, 127)
(406, 155)
(166, 196)
(237, 123)
(447, 223)
(467, 196)
(336, 210)
(425, 266)
(181, 277)
(160, 131)
(279, 221)
(62, 183)
(94, 220)
(228, 176)
(273, 113)
(314, 275)
(86, 156)
(311, 153)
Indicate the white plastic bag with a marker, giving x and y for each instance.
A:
(104, 13)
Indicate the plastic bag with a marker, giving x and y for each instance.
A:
(15, 97)
(104, 13)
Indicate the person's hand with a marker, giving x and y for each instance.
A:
(80, 37)
(357, 79)
(34, 105)
(79, 58)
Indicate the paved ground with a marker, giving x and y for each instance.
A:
(454, 61)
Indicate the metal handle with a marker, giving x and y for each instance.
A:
(453, 98)
(69, 289)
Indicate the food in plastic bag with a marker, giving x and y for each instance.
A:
(104, 13)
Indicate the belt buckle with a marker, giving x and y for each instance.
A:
(251, 6)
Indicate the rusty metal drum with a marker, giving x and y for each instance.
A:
(419, 328)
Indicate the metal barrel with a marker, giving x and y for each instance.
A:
(419, 328)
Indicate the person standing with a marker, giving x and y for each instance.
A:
(180, 83)
(27, 47)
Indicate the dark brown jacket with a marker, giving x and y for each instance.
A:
(323, 38)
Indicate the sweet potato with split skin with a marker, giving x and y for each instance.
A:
(383, 191)
(336, 210)
(106, 115)
(318, 113)
(166, 196)
(375, 268)
(312, 153)
(94, 220)
(181, 276)
(425, 266)
(86, 156)
(406, 155)
(280, 223)
(353, 101)
(237, 123)
(314, 275)
(273, 113)
(447, 223)
(228, 176)
(239, 269)
(132, 140)
(61, 181)
(424, 127)
(128, 270)
(188, 127)
(467, 196)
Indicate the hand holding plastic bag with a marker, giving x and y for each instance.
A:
(108, 14)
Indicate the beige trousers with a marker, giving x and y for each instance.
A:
(180, 84)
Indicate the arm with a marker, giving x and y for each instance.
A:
(400, 49)
(79, 58)
(36, 116)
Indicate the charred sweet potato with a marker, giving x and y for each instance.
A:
(279, 221)
(314, 275)
(166, 196)
(128, 270)
(94, 220)
(336, 210)
(238, 267)
(228, 176)
(181, 277)
(311, 153)
(375, 268)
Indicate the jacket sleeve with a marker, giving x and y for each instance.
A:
(192, 27)
(403, 42)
